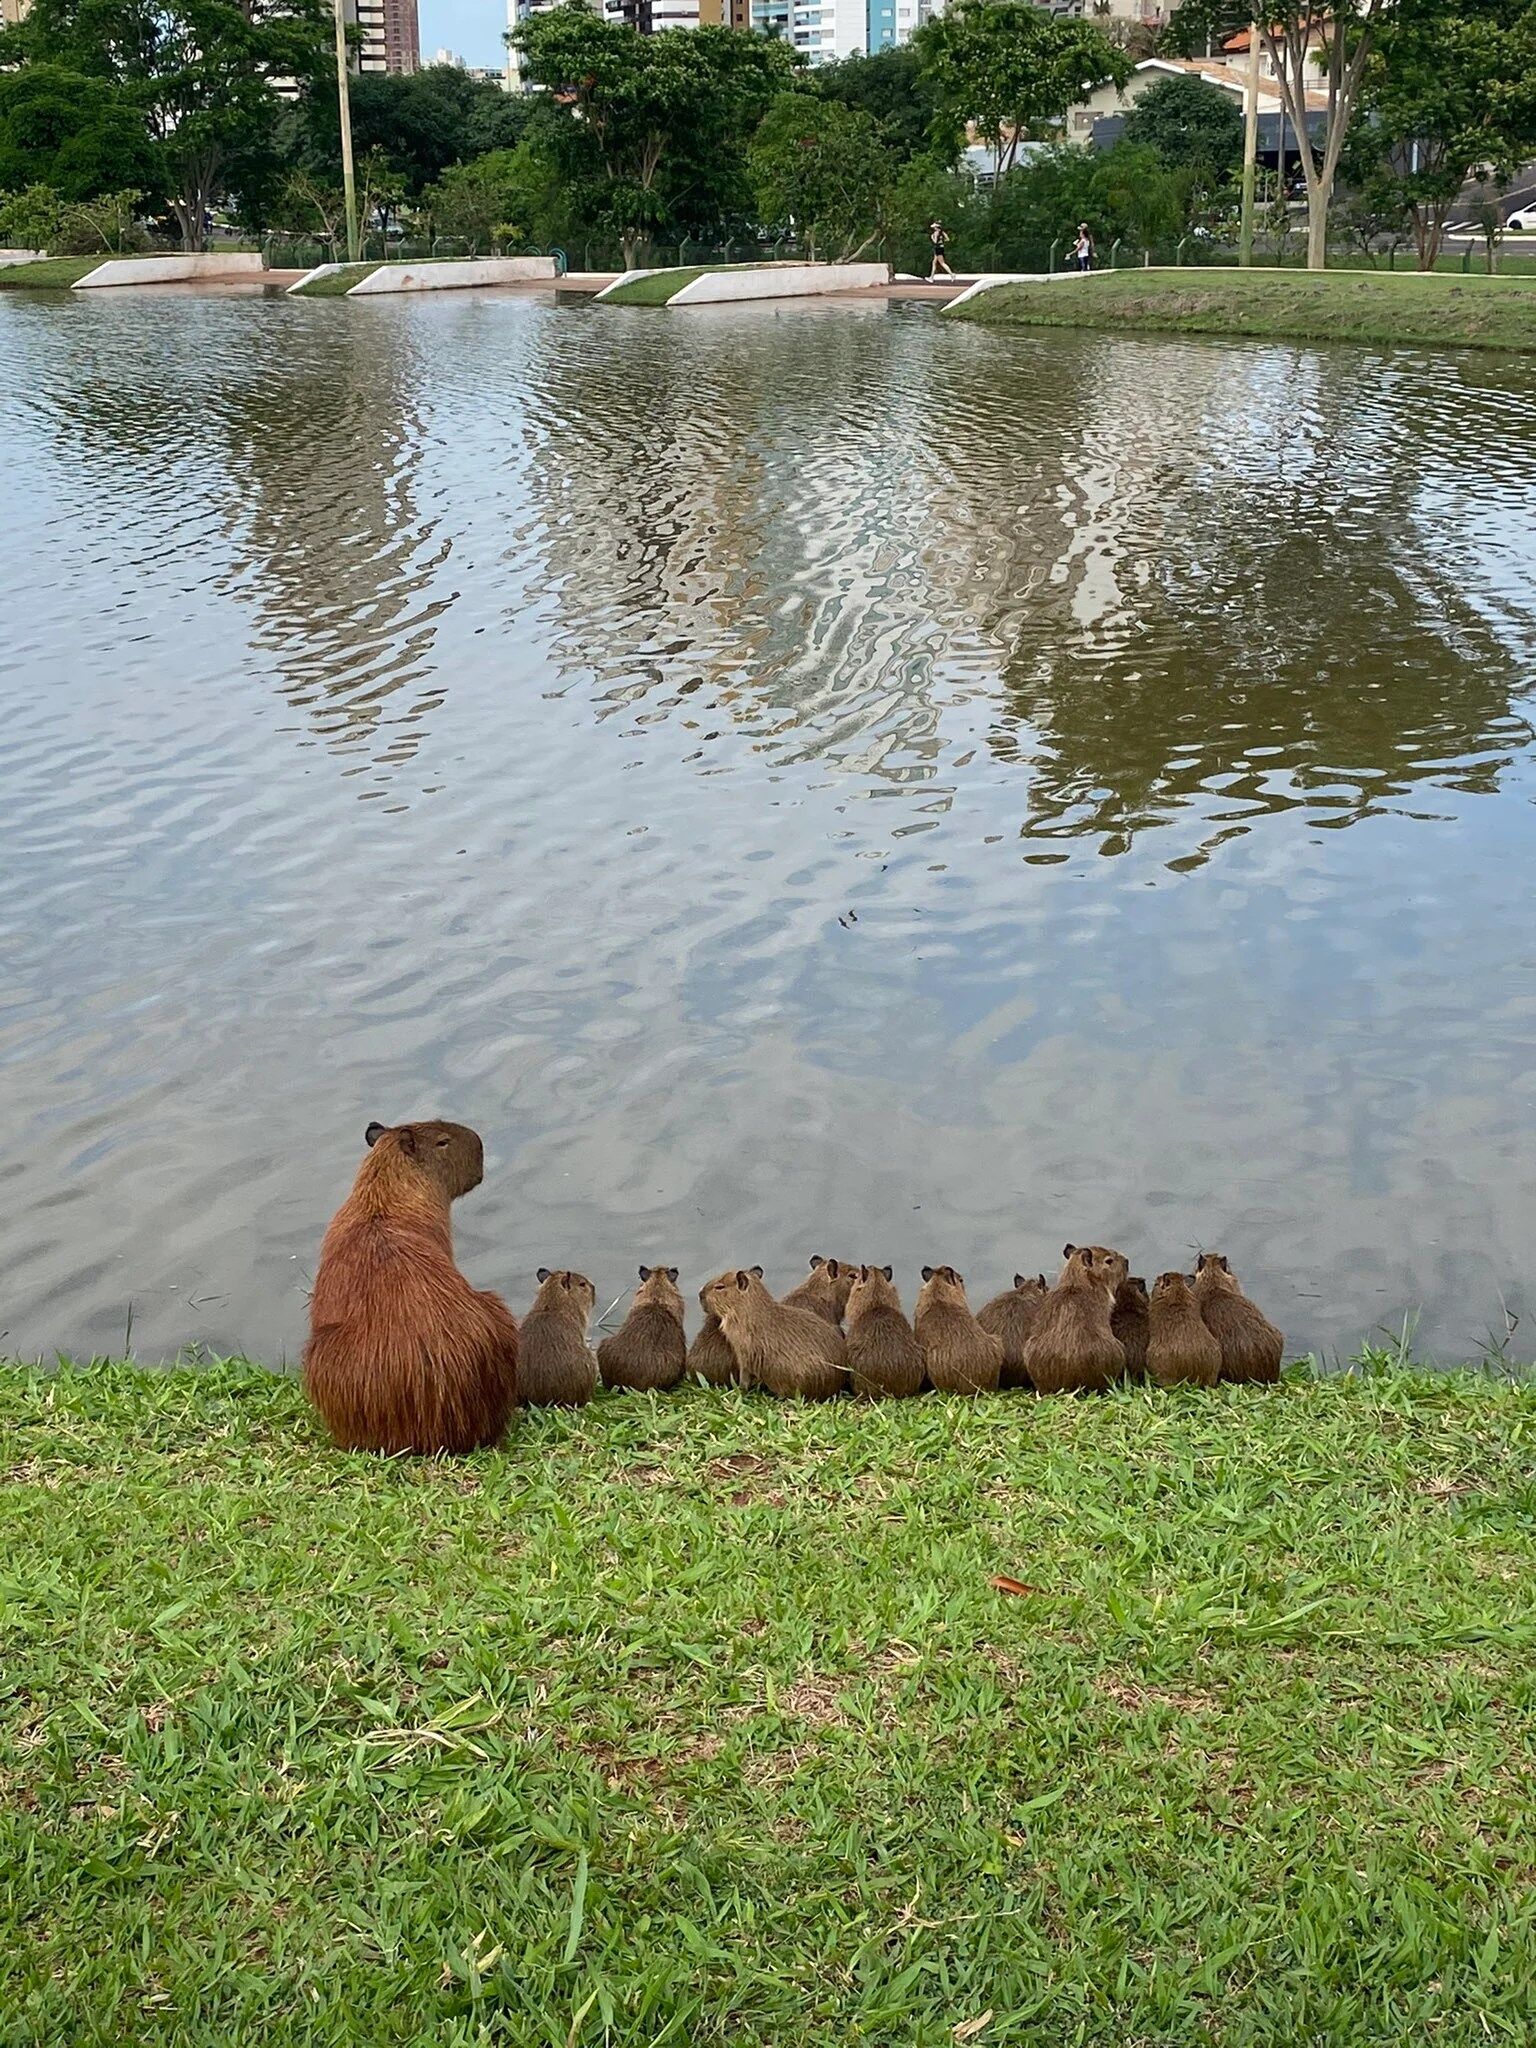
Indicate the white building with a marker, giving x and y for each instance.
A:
(820, 29)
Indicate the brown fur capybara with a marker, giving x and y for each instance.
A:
(885, 1360)
(709, 1356)
(1251, 1346)
(403, 1354)
(1180, 1350)
(785, 1351)
(1072, 1346)
(959, 1357)
(1112, 1266)
(1128, 1320)
(557, 1368)
(648, 1351)
(825, 1289)
(1010, 1317)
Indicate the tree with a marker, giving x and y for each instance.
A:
(1010, 69)
(1190, 124)
(1316, 47)
(1450, 95)
(423, 122)
(79, 135)
(894, 89)
(651, 129)
(511, 192)
(200, 75)
(827, 168)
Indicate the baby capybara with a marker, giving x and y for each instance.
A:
(403, 1354)
(787, 1351)
(1128, 1320)
(1072, 1347)
(959, 1357)
(885, 1359)
(557, 1369)
(825, 1289)
(648, 1351)
(1180, 1350)
(1251, 1346)
(1010, 1318)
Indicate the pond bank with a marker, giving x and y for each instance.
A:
(644, 1719)
(1330, 305)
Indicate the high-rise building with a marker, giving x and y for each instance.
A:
(391, 38)
(820, 29)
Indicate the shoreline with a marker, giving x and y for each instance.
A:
(1434, 309)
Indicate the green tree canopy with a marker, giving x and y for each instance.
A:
(653, 129)
(825, 167)
(197, 74)
(423, 122)
(896, 90)
(80, 135)
(1449, 93)
(1011, 69)
(1191, 125)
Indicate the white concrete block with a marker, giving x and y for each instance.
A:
(461, 275)
(780, 281)
(170, 269)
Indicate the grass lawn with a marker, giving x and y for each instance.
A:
(1332, 305)
(52, 273)
(700, 1720)
(339, 283)
(663, 285)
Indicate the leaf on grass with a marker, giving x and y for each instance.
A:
(1006, 1585)
(969, 2029)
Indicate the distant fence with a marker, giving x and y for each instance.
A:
(286, 251)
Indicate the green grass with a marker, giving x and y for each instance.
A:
(699, 1720)
(1332, 305)
(51, 273)
(339, 283)
(663, 285)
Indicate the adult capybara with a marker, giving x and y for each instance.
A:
(1072, 1346)
(558, 1369)
(1180, 1350)
(1128, 1320)
(786, 1351)
(884, 1357)
(1010, 1317)
(709, 1356)
(403, 1354)
(825, 1289)
(648, 1351)
(959, 1357)
(1251, 1346)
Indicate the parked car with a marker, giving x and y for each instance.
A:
(1522, 221)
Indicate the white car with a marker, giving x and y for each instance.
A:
(1522, 221)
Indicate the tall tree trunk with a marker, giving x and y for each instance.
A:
(1318, 196)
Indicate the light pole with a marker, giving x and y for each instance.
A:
(1250, 145)
(344, 106)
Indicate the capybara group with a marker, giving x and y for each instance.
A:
(403, 1354)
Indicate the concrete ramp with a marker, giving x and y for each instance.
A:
(169, 269)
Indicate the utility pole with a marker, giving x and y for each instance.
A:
(344, 106)
(1250, 145)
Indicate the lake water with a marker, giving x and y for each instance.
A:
(797, 780)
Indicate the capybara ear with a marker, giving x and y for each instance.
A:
(1087, 1255)
(1067, 1250)
(889, 1272)
(834, 1268)
(927, 1272)
(1226, 1265)
(953, 1277)
(757, 1272)
(372, 1135)
(645, 1273)
(741, 1280)
(1019, 1280)
(542, 1275)
(672, 1274)
(1044, 1283)
(818, 1260)
(405, 1138)
(565, 1282)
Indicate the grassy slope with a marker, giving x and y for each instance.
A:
(53, 273)
(662, 285)
(1341, 305)
(699, 1720)
(339, 283)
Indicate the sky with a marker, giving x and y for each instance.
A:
(471, 28)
